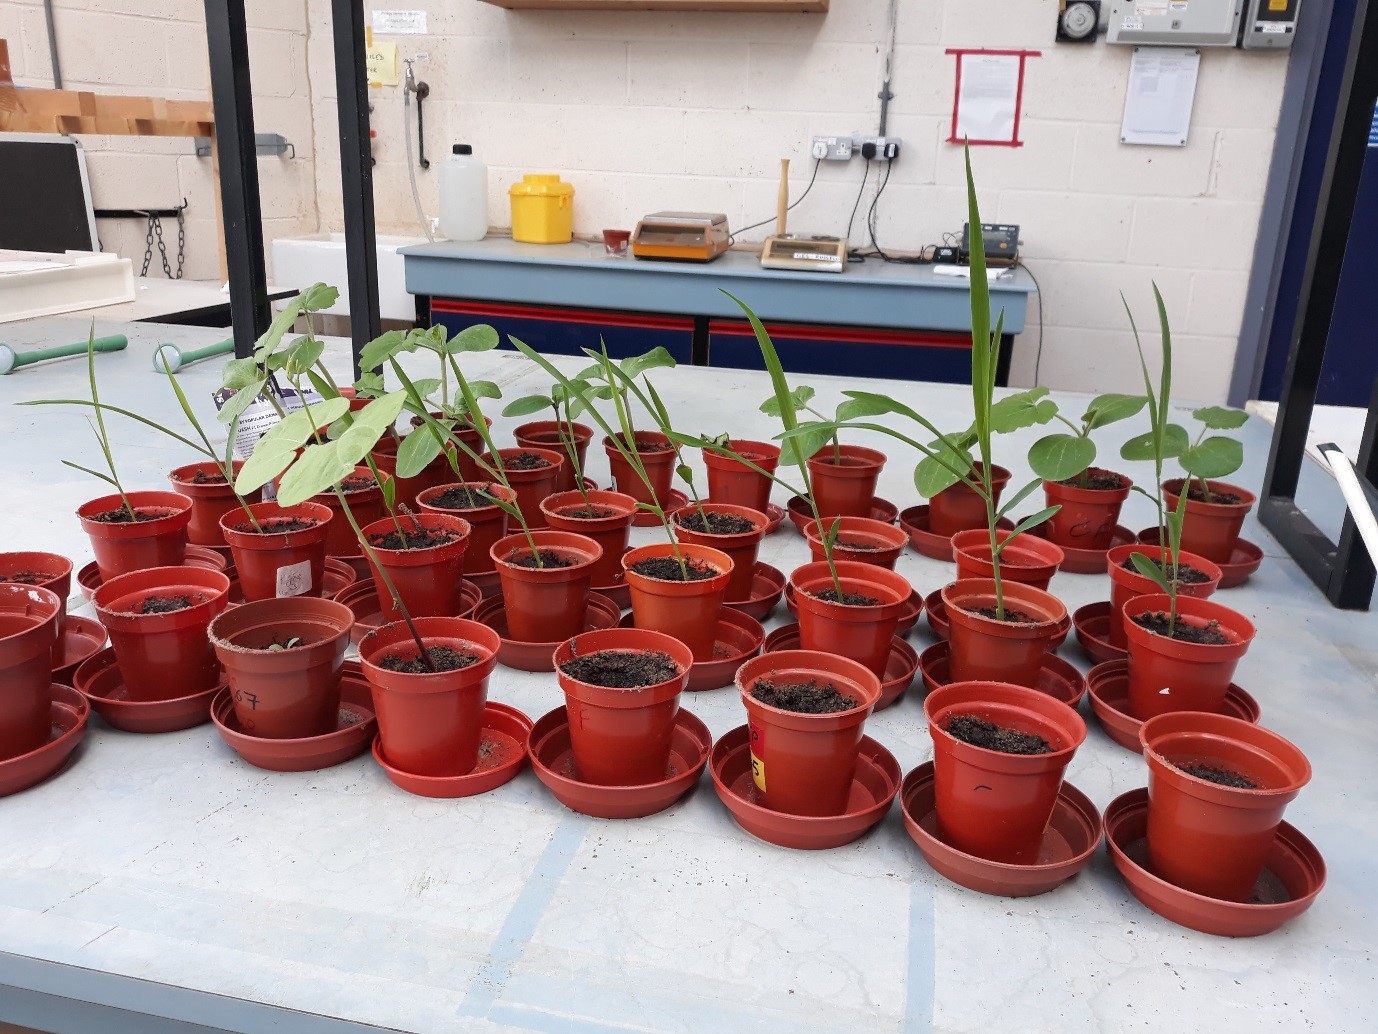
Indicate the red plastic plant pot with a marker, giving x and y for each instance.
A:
(163, 656)
(534, 484)
(804, 764)
(29, 618)
(1211, 529)
(1167, 675)
(439, 471)
(984, 649)
(1203, 836)
(844, 479)
(610, 532)
(958, 508)
(863, 633)
(741, 549)
(157, 539)
(545, 604)
(1029, 560)
(688, 611)
(546, 434)
(732, 481)
(992, 804)
(1088, 516)
(468, 468)
(862, 540)
(622, 737)
(211, 498)
(659, 462)
(365, 498)
(429, 579)
(1127, 584)
(47, 571)
(273, 563)
(289, 693)
(487, 523)
(430, 723)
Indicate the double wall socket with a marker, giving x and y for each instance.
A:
(842, 148)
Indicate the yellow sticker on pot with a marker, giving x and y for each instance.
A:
(758, 773)
(758, 767)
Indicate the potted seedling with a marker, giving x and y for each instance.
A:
(842, 477)
(745, 481)
(1215, 510)
(561, 433)
(647, 479)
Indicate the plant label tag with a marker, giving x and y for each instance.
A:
(758, 767)
(294, 579)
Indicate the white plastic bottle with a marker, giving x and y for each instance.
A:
(463, 196)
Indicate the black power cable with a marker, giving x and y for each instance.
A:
(1038, 354)
(732, 237)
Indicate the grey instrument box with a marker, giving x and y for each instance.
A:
(1175, 23)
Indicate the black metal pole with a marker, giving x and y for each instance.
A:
(356, 172)
(232, 94)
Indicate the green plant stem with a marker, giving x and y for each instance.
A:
(570, 443)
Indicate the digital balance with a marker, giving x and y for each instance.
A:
(687, 236)
(800, 251)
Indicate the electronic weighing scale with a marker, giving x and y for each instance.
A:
(687, 236)
(800, 251)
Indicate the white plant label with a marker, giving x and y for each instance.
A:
(294, 579)
(399, 23)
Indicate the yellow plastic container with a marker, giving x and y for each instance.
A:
(542, 210)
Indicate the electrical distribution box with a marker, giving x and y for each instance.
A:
(1174, 23)
(1001, 242)
(1269, 24)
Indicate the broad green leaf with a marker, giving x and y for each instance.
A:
(356, 443)
(380, 414)
(326, 389)
(1175, 440)
(426, 387)
(1058, 457)
(865, 406)
(485, 389)
(1215, 457)
(277, 330)
(270, 459)
(1140, 447)
(319, 468)
(932, 475)
(656, 358)
(1111, 408)
(240, 373)
(278, 360)
(1024, 409)
(417, 450)
(369, 385)
(799, 398)
(1148, 567)
(318, 297)
(303, 355)
(1220, 418)
(686, 473)
(478, 338)
(389, 487)
(526, 405)
(300, 425)
(382, 348)
(802, 444)
(241, 400)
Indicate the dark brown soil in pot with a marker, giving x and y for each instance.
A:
(622, 669)
(802, 697)
(980, 733)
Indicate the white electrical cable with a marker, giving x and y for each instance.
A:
(1353, 490)
(411, 166)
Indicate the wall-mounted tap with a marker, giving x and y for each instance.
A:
(422, 90)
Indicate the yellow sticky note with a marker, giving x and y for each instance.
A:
(1277, 5)
(382, 64)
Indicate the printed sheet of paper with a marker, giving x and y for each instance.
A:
(1162, 87)
(987, 97)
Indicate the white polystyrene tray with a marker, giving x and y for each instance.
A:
(34, 283)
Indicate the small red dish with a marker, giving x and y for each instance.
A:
(881, 510)
(1086, 561)
(646, 519)
(552, 759)
(767, 585)
(874, 786)
(68, 715)
(738, 639)
(356, 729)
(98, 678)
(1057, 678)
(1108, 684)
(936, 547)
(88, 578)
(1092, 623)
(1244, 560)
(489, 583)
(1069, 842)
(909, 617)
(359, 564)
(501, 755)
(81, 638)
(601, 613)
(362, 598)
(942, 628)
(1292, 877)
(900, 667)
(774, 516)
(619, 591)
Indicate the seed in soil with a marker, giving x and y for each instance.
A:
(1012, 616)
(462, 499)
(980, 733)
(278, 645)
(667, 569)
(121, 516)
(1098, 481)
(622, 669)
(1186, 574)
(443, 658)
(849, 599)
(203, 478)
(525, 461)
(277, 526)
(648, 445)
(164, 604)
(802, 697)
(525, 558)
(1221, 498)
(854, 545)
(357, 483)
(27, 578)
(587, 513)
(1208, 634)
(416, 539)
(716, 523)
(1223, 776)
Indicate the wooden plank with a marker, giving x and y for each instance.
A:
(760, 6)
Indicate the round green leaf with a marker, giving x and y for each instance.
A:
(527, 405)
(1058, 457)
(478, 338)
(1220, 418)
(1023, 409)
(1213, 458)
(1111, 408)
(319, 468)
(270, 459)
(417, 450)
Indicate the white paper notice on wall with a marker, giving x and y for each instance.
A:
(399, 23)
(988, 97)
(1162, 87)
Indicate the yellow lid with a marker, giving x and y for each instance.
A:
(542, 185)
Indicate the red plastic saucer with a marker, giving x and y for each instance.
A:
(1244, 561)
(81, 638)
(1092, 623)
(88, 578)
(552, 759)
(362, 598)
(1057, 678)
(767, 585)
(1069, 842)
(909, 617)
(942, 628)
(601, 613)
(737, 640)
(1292, 877)
(1109, 690)
(362, 571)
(900, 667)
(881, 510)
(356, 729)
(489, 583)
(68, 715)
(1086, 561)
(874, 786)
(501, 755)
(937, 547)
(619, 591)
(646, 519)
(98, 678)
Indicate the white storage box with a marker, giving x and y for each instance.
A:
(40, 283)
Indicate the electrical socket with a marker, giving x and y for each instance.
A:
(887, 147)
(831, 148)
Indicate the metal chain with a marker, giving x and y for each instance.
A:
(154, 235)
(181, 240)
(148, 247)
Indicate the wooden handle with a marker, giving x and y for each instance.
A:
(782, 202)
